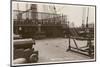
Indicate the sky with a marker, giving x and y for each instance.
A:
(74, 13)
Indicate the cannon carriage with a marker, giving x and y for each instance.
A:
(24, 51)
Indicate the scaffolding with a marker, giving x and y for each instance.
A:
(88, 49)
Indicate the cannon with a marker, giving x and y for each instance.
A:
(23, 51)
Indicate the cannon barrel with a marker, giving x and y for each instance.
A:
(23, 43)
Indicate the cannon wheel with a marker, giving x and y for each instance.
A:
(33, 58)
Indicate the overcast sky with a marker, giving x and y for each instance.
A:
(74, 12)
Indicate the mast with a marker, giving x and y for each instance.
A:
(18, 6)
(18, 11)
(83, 20)
(27, 13)
(87, 18)
(54, 14)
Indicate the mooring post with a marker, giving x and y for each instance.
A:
(69, 47)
